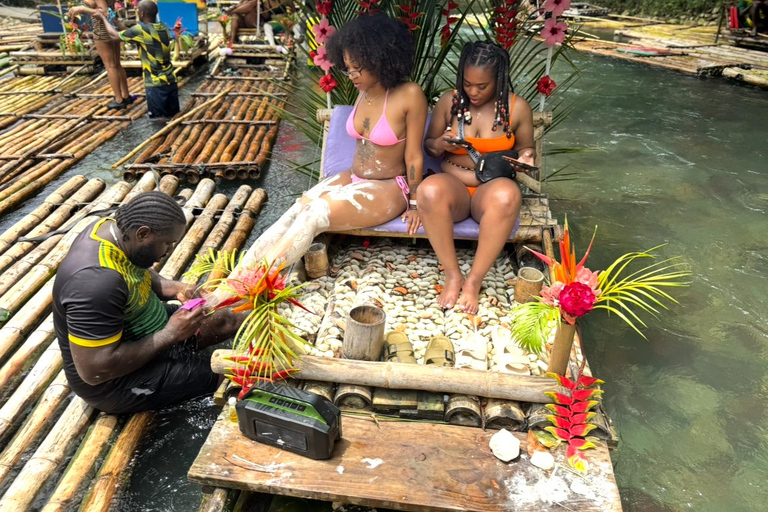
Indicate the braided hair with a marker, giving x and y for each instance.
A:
(485, 54)
(158, 211)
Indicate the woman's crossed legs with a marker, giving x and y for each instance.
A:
(444, 200)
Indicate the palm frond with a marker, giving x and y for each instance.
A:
(533, 322)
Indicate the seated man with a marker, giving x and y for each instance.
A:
(124, 350)
(154, 43)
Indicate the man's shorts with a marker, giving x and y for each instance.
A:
(180, 374)
(163, 101)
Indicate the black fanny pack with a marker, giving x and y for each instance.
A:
(490, 165)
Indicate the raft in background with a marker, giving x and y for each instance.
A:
(48, 423)
(65, 128)
(226, 131)
(688, 49)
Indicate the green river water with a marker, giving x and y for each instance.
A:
(678, 160)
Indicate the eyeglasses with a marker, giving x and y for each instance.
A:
(353, 73)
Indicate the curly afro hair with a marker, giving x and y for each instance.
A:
(382, 46)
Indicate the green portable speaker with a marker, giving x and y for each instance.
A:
(291, 419)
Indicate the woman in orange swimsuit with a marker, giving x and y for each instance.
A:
(495, 119)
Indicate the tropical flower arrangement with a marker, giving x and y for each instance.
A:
(71, 41)
(224, 20)
(576, 290)
(264, 346)
(553, 33)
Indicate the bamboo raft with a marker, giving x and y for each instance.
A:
(51, 442)
(63, 132)
(19, 36)
(402, 281)
(690, 50)
(226, 131)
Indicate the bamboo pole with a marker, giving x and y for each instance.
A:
(112, 473)
(79, 469)
(171, 125)
(34, 384)
(25, 320)
(49, 455)
(25, 355)
(186, 249)
(243, 227)
(55, 220)
(26, 277)
(37, 216)
(227, 219)
(35, 424)
(463, 381)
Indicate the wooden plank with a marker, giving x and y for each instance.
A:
(406, 466)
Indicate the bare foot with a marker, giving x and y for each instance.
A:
(470, 296)
(453, 284)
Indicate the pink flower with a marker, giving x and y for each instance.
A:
(118, 6)
(556, 7)
(323, 31)
(550, 295)
(576, 300)
(321, 59)
(589, 278)
(553, 32)
(328, 83)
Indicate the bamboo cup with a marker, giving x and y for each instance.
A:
(528, 285)
(364, 335)
(316, 260)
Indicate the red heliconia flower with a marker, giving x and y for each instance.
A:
(328, 83)
(546, 85)
(324, 7)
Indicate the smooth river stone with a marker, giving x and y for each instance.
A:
(504, 445)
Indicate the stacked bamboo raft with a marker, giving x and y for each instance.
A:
(55, 450)
(226, 131)
(685, 49)
(23, 95)
(64, 132)
(19, 36)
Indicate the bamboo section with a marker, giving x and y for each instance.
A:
(25, 319)
(60, 217)
(31, 388)
(186, 249)
(82, 463)
(49, 455)
(462, 381)
(110, 476)
(24, 355)
(35, 424)
(39, 214)
(26, 279)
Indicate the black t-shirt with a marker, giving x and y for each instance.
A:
(99, 298)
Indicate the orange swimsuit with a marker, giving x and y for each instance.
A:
(483, 146)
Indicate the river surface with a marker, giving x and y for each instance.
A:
(676, 160)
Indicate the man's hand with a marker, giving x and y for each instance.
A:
(411, 218)
(184, 323)
(188, 292)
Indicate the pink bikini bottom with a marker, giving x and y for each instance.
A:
(401, 182)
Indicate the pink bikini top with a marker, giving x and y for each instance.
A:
(382, 134)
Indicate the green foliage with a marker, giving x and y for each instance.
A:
(662, 7)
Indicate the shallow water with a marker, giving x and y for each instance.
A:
(679, 161)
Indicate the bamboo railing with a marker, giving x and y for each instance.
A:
(33, 387)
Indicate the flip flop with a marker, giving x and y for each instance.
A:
(474, 354)
(398, 349)
(439, 352)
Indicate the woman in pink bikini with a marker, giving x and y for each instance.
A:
(388, 120)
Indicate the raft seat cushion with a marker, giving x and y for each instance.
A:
(338, 155)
